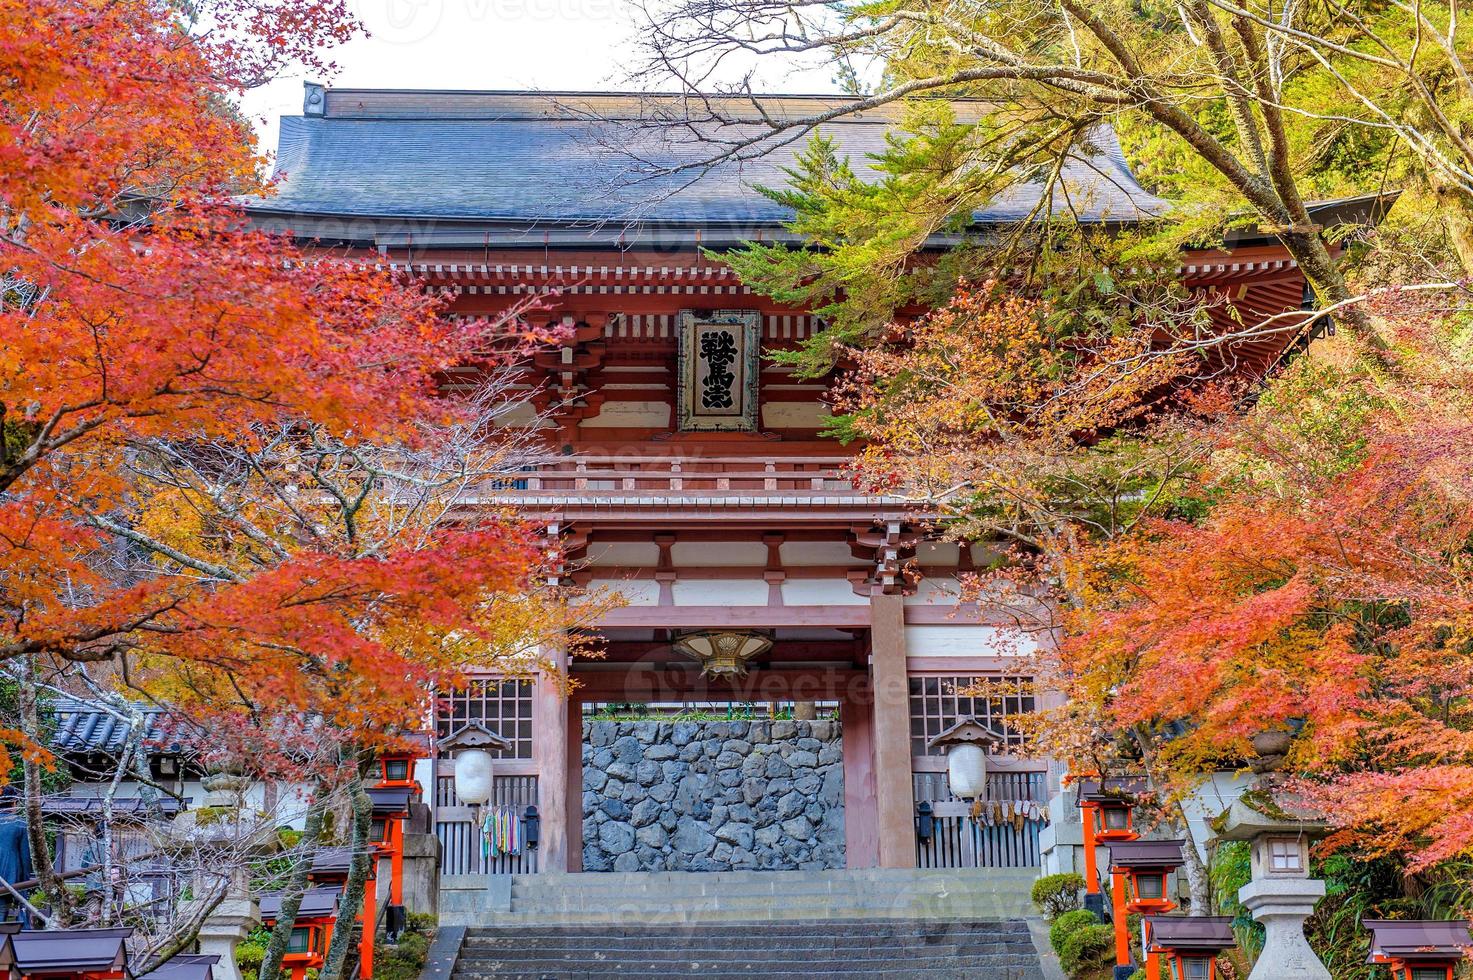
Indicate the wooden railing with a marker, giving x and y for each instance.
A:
(706, 474)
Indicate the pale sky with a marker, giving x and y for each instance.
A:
(487, 44)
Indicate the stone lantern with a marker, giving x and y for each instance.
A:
(1280, 894)
(225, 833)
(967, 743)
(471, 746)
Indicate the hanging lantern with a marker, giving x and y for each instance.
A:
(967, 743)
(723, 653)
(471, 747)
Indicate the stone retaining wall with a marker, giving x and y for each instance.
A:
(712, 796)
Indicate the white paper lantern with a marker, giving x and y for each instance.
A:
(473, 776)
(472, 746)
(966, 770)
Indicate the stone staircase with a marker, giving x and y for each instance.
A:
(668, 898)
(902, 949)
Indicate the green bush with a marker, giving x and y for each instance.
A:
(1086, 948)
(1065, 924)
(1056, 894)
(405, 960)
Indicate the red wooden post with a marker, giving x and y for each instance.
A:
(1117, 904)
(894, 791)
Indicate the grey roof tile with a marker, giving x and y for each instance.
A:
(529, 158)
(85, 726)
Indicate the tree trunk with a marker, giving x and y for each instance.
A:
(353, 891)
(295, 888)
(1328, 283)
(1455, 205)
(1199, 884)
(52, 887)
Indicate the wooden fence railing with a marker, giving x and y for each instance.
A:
(463, 849)
(1003, 834)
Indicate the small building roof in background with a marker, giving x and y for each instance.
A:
(1163, 854)
(123, 806)
(1418, 939)
(71, 951)
(316, 902)
(969, 730)
(1202, 932)
(184, 966)
(87, 727)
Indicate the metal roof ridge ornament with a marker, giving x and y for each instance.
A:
(723, 653)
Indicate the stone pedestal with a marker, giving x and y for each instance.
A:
(422, 873)
(1282, 905)
(228, 926)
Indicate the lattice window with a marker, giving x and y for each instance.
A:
(935, 704)
(504, 706)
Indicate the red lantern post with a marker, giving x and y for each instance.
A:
(1187, 945)
(1138, 873)
(1105, 811)
(311, 931)
(330, 868)
(1418, 949)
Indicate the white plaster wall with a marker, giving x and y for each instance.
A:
(821, 592)
(636, 592)
(935, 592)
(721, 592)
(625, 554)
(817, 553)
(965, 641)
(945, 553)
(705, 554)
(794, 415)
(629, 415)
(518, 416)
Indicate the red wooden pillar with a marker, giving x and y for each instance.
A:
(574, 797)
(861, 819)
(1117, 905)
(369, 919)
(550, 752)
(894, 789)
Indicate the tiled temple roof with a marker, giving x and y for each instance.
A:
(87, 727)
(567, 160)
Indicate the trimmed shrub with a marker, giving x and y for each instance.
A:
(1086, 947)
(1066, 924)
(1056, 894)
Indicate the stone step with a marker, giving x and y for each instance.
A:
(834, 930)
(891, 971)
(902, 949)
(689, 898)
